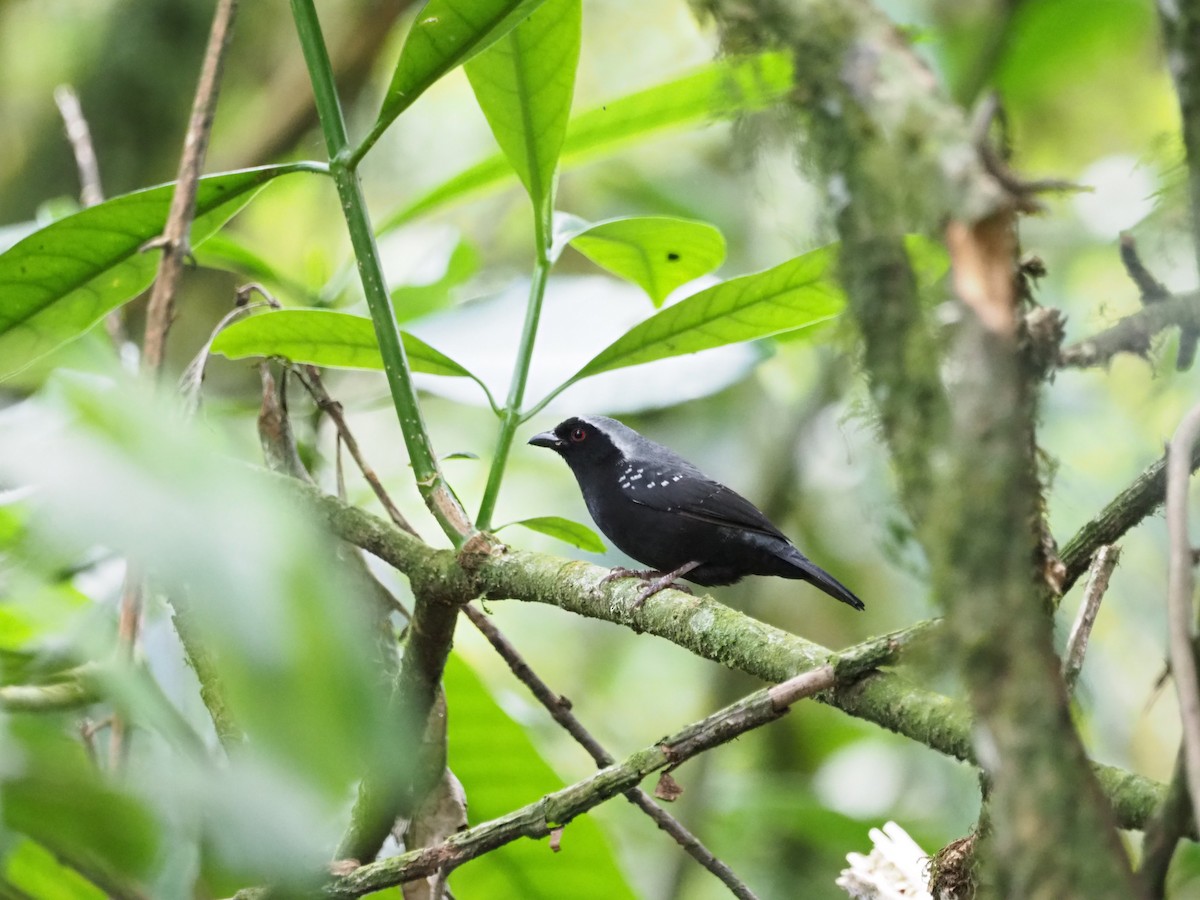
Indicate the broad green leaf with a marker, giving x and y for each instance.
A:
(718, 90)
(501, 771)
(796, 294)
(657, 253)
(62, 279)
(524, 83)
(446, 34)
(322, 337)
(573, 533)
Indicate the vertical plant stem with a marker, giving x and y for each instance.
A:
(516, 392)
(430, 481)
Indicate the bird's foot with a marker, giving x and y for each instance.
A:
(655, 580)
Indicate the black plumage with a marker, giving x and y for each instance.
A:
(664, 512)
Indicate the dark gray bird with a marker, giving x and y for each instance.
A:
(665, 513)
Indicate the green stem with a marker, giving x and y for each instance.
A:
(512, 417)
(437, 495)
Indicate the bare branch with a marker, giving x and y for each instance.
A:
(538, 819)
(1103, 564)
(1180, 589)
(713, 631)
(560, 710)
(90, 190)
(310, 377)
(1143, 496)
(174, 239)
(1133, 333)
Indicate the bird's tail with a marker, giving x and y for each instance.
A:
(807, 570)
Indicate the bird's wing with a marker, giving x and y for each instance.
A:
(705, 500)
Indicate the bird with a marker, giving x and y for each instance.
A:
(662, 511)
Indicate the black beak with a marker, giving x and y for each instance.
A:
(546, 439)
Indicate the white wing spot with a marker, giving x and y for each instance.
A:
(649, 484)
(663, 483)
(677, 478)
(637, 477)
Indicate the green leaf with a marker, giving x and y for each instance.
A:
(657, 253)
(411, 301)
(796, 294)
(323, 337)
(62, 279)
(446, 34)
(524, 83)
(573, 533)
(718, 90)
(501, 771)
(33, 870)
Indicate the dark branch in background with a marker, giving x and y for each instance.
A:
(1103, 564)
(713, 631)
(538, 819)
(560, 710)
(1150, 288)
(1172, 821)
(1125, 511)
(1181, 32)
(1134, 332)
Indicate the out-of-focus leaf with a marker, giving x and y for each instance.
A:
(501, 770)
(574, 533)
(32, 869)
(412, 301)
(325, 338)
(795, 294)
(61, 280)
(524, 83)
(718, 90)
(287, 624)
(446, 34)
(54, 795)
(657, 253)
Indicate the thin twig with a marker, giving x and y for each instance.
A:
(310, 377)
(90, 190)
(1180, 587)
(554, 810)
(174, 239)
(560, 710)
(1150, 288)
(159, 311)
(1103, 564)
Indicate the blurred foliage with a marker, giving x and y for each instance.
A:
(95, 469)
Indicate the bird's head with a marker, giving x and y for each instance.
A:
(585, 440)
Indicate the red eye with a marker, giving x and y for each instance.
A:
(578, 435)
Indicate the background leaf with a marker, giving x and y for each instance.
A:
(795, 294)
(322, 337)
(657, 253)
(524, 83)
(718, 90)
(446, 34)
(61, 280)
(574, 533)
